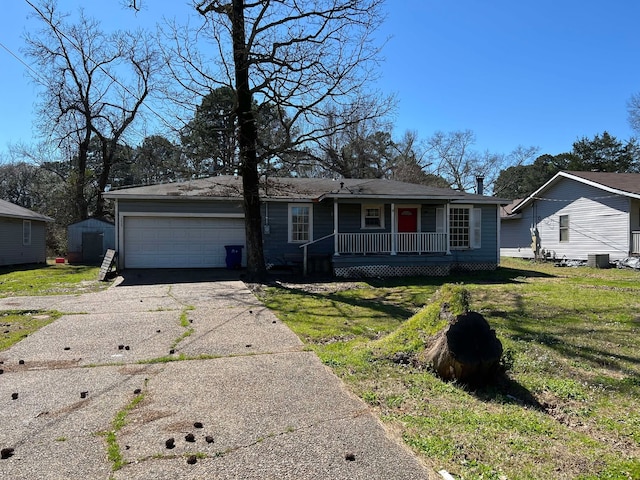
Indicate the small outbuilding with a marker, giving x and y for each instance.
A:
(23, 235)
(88, 240)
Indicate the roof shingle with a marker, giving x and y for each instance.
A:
(8, 209)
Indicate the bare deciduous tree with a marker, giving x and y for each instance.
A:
(633, 109)
(303, 57)
(360, 148)
(94, 84)
(455, 160)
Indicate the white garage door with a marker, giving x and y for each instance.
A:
(180, 242)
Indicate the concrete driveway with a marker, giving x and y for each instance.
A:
(200, 361)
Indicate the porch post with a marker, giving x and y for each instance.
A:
(335, 227)
(446, 227)
(394, 229)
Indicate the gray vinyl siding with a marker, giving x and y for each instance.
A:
(12, 251)
(277, 249)
(488, 251)
(598, 221)
(167, 207)
(515, 236)
(350, 217)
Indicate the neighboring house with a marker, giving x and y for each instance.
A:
(23, 235)
(88, 240)
(348, 227)
(574, 215)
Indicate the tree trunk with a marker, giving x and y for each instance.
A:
(108, 152)
(467, 350)
(81, 211)
(247, 141)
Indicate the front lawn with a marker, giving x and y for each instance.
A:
(50, 279)
(18, 324)
(29, 280)
(569, 407)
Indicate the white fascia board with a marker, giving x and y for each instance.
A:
(42, 218)
(554, 179)
(535, 194)
(600, 186)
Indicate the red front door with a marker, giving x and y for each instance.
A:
(407, 220)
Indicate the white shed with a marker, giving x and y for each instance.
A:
(88, 240)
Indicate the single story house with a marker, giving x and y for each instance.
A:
(575, 215)
(89, 239)
(23, 235)
(348, 227)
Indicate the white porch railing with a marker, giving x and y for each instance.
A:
(384, 243)
(635, 242)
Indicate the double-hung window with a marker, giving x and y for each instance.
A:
(465, 229)
(26, 232)
(459, 227)
(564, 228)
(372, 216)
(300, 222)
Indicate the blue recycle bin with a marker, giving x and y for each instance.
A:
(234, 256)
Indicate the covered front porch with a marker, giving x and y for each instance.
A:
(387, 239)
(370, 237)
(362, 228)
(391, 254)
(391, 243)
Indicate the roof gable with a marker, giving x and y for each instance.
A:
(625, 184)
(11, 210)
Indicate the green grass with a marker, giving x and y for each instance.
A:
(111, 436)
(569, 405)
(18, 324)
(186, 324)
(54, 279)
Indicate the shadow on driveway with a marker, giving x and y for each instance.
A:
(156, 276)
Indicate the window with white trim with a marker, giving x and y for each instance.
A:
(300, 222)
(459, 232)
(564, 228)
(465, 227)
(372, 216)
(26, 232)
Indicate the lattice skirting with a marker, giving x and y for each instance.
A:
(392, 271)
(442, 270)
(473, 267)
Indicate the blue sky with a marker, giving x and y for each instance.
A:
(535, 73)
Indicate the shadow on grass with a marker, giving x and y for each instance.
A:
(506, 390)
(588, 342)
(33, 267)
(499, 276)
(394, 311)
(391, 308)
